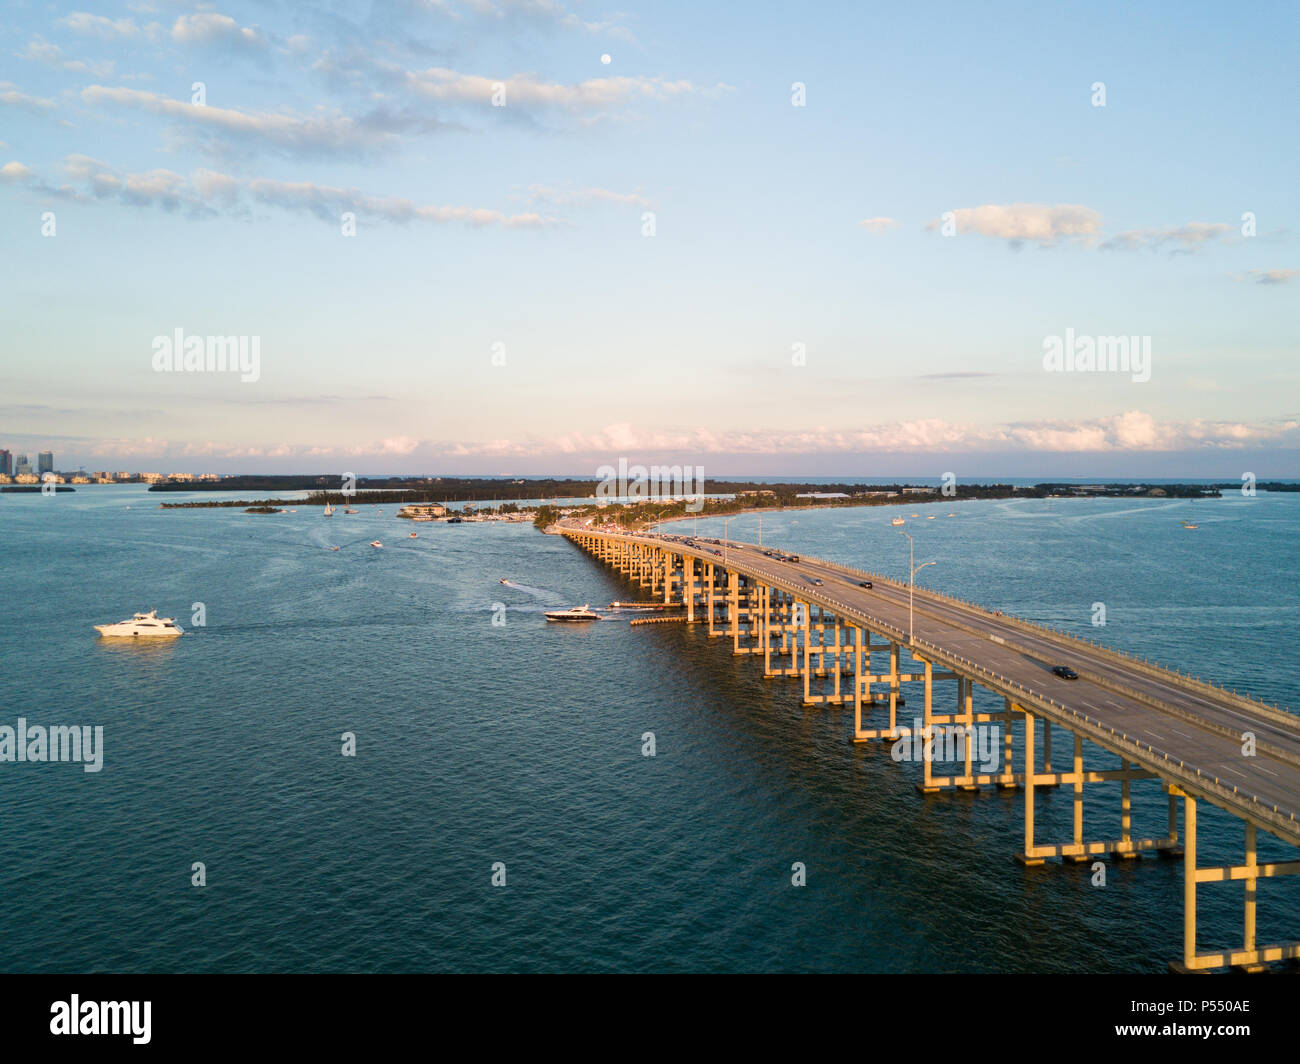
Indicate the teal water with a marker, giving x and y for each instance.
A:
(522, 744)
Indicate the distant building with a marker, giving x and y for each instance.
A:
(821, 495)
(6, 464)
(423, 509)
(22, 465)
(45, 462)
(919, 491)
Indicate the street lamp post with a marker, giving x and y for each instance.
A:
(913, 569)
(725, 520)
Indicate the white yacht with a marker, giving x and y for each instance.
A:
(897, 521)
(142, 625)
(577, 613)
(376, 544)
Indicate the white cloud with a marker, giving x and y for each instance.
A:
(1182, 238)
(525, 90)
(1036, 223)
(206, 192)
(319, 133)
(11, 96)
(14, 172)
(207, 28)
(1279, 276)
(52, 55)
(98, 26)
(877, 225)
(585, 197)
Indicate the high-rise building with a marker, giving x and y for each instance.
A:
(45, 462)
(6, 463)
(22, 465)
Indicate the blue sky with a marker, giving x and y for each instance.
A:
(521, 230)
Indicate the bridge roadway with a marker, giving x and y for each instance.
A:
(1187, 732)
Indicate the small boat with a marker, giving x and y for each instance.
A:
(375, 543)
(147, 625)
(930, 517)
(334, 548)
(347, 511)
(414, 535)
(952, 515)
(1188, 524)
(504, 580)
(329, 510)
(577, 613)
(897, 521)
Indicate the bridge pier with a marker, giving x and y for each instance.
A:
(1078, 851)
(1251, 956)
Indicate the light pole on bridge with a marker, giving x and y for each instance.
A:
(913, 569)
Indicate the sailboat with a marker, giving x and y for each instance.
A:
(329, 510)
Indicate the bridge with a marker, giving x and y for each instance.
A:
(862, 639)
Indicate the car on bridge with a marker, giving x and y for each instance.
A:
(866, 584)
(792, 558)
(815, 581)
(1065, 672)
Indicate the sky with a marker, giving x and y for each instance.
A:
(537, 236)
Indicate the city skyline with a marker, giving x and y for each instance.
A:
(869, 228)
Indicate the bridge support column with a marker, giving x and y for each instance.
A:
(1008, 780)
(1079, 851)
(1251, 956)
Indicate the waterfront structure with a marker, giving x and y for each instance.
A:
(849, 635)
(45, 462)
(22, 465)
(422, 509)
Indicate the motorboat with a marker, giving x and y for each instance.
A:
(143, 626)
(329, 510)
(376, 544)
(504, 580)
(577, 613)
(413, 535)
(898, 521)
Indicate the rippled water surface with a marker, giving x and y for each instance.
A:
(522, 744)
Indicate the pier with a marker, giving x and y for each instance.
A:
(812, 620)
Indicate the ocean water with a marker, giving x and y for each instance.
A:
(522, 744)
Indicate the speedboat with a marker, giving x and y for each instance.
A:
(375, 543)
(142, 625)
(897, 521)
(577, 613)
(413, 535)
(504, 580)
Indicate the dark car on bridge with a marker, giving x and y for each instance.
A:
(1065, 672)
(866, 584)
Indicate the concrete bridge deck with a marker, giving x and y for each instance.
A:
(1203, 742)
